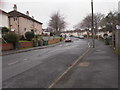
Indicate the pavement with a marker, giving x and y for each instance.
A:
(28, 49)
(99, 69)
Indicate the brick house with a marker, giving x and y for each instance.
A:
(21, 23)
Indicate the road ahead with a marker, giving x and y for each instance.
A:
(39, 68)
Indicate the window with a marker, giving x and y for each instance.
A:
(15, 18)
(24, 29)
(27, 20)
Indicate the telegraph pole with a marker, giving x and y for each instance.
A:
(92, 24)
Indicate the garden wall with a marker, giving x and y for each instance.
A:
(7, 46)
(53, 41)
(26, 44)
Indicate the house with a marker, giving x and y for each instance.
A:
(46, 32)
(21, 23)
(4, 21)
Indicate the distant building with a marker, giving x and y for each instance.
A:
(21, 23)
(46, 32)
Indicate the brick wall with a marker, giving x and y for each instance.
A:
(53, 41)
(26, 44)
(7, 46)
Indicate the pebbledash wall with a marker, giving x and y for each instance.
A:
(4, 22)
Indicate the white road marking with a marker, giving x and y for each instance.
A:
(13, 63)
(89, 44)
(25, 59)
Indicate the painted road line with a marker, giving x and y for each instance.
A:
(60, 45)
(67, 70)
(25, 59)
(12, 63)
(88, 44)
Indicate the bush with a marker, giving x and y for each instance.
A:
(51, 33)
(5, 30)
(85, 36)
(29, 36)
(105, 34)
(11, 38)
(22, 37)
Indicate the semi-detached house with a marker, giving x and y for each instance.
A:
(21, 23)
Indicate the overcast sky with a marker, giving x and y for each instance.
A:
(73, 10)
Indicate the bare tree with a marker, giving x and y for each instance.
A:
(86, 22)
(57, 23)
(110, 21)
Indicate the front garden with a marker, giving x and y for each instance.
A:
(12, 41)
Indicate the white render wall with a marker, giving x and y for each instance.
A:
(119, 6)
(4, 21)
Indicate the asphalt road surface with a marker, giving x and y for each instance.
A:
(39, 68)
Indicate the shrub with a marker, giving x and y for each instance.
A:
(105, 34)
(5, 30)
(51, 33)
(85, 36)
(22, 37)
(29, 36)
(11, 38)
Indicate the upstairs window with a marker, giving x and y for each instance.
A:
(15, 18)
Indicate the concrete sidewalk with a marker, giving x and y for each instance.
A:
(99, 69)
(29, 49)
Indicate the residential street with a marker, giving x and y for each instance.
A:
(39, 68)
(52, 44)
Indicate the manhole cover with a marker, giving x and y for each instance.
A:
(84, 64)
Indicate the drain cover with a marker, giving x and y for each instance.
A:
(84, 64)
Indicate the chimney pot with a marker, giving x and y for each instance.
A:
(27, 13)
(15, 7)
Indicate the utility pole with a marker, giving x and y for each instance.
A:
(92, 24)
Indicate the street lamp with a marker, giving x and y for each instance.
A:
(92, 24)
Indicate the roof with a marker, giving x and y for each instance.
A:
(3, 12)
(15, 13)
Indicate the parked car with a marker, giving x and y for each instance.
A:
(81, 37)
(68, 39)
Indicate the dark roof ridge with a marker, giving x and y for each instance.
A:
(3, 11)
(19, 14)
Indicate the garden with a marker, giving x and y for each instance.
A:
(12, 41)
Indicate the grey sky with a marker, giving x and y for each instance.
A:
(73, 10)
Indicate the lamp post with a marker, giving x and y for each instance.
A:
(92, 24)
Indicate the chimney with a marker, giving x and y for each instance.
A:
(15, 7)
(27, 13)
